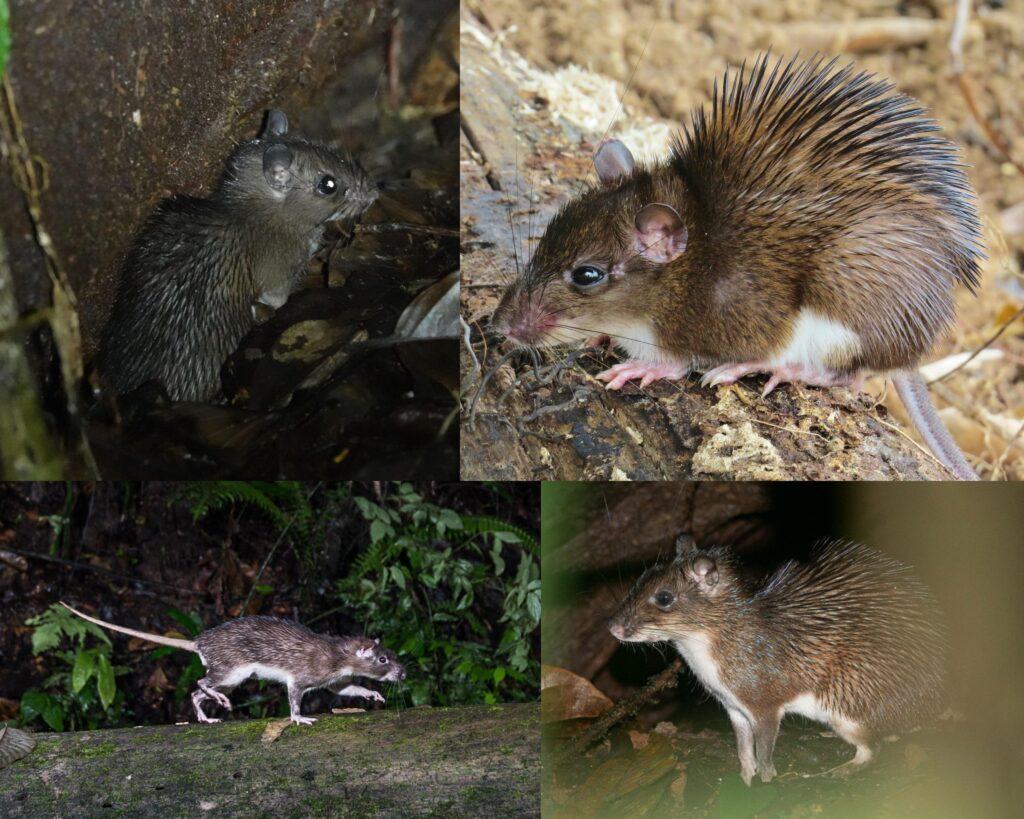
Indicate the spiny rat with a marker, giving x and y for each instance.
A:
(814, 225)
(282, 651)
(850, 638)
(191, 283)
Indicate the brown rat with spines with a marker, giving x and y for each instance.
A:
(192, 281)
(850, 638)
(277, 650)
(813, 225)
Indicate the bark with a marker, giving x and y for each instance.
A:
(473, 761)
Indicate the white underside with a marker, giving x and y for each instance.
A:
(817, 342)
(639, 341)
(260, 671)
(696, 651)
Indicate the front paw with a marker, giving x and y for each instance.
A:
(376, 696)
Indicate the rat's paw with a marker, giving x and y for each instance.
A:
(300, 720)
(731, 373)
(222, 700)
(376, 696)
(621, 374)
(781, 374)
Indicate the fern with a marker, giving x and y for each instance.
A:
(479, 525)
(206, 496)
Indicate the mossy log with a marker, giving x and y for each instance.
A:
(474, 761)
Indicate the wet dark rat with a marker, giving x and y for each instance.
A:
(849, 638)
(813, 225)
(191, 283)
(279, 651)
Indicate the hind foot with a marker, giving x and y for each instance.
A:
(621, 374)
(781, 374)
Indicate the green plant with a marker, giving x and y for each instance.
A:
(192, 626)
(458, 598)
(82, 692)
(5, 34)
(287, 503)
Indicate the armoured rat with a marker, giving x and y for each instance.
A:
(277, 650)
(190, 285)
(850, 638)
(813, 225)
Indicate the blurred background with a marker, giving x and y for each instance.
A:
(445, 575)
(963, 541)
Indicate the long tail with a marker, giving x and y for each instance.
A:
(188, 645)
(914, 395)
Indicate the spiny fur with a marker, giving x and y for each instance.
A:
(851, 625)
(188, 285)
(803, 185)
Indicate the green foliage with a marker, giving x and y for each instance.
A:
(5, 34)
(82, 692)
(191, 626)
(206, 496)
(457, 597)
(287, 503)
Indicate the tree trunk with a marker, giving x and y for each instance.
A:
(474, 761)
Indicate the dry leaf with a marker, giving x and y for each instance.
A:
(275, 729)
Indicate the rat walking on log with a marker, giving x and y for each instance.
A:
(191, 283)
(279, 651)
(850, 638)
(814, 226)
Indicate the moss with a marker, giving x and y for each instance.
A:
(97, 750)
(245, 729)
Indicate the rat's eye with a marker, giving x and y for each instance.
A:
(587, 275)
(663, 598)
(326, 185)
(383, 660)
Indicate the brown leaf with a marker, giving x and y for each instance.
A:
(565, 695)
(274, 729)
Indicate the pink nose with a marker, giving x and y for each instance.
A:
(618, 632)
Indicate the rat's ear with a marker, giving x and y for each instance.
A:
(277, 124)
(704, 572)
(612, 161)
(684, 543)
(660, 233)
(277, 162)
(365, 650)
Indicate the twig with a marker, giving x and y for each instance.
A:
(956, 54)
(99, 570)
(974, 355)
(629, 706)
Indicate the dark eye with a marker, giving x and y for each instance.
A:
(383, 660)
(326, 185)
(663, 598)
(587, 276)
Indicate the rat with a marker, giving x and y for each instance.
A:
(814, 226)
(850, 638)
(200, 269)
(277, 650)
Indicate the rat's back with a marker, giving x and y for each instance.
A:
(829, 176)
(181, 300)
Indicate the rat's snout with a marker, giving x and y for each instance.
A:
(522, 318)
(620, 627)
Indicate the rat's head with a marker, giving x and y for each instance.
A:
(597, 265)
(670, 601)
(372, 660)
(295, 181)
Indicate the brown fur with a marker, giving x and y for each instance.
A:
(804, 187)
